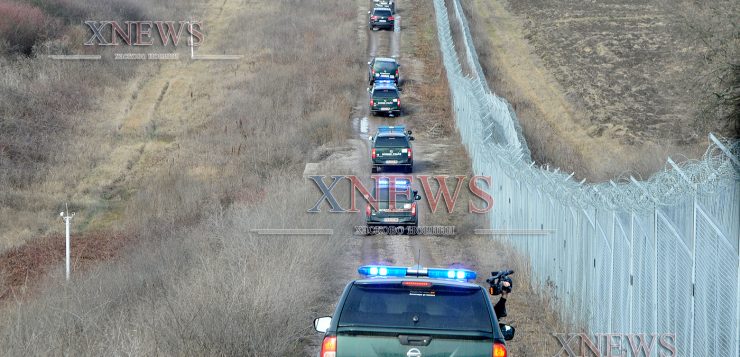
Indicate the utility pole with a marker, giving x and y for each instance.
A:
(67, 222)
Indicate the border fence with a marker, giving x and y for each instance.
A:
(653, 257)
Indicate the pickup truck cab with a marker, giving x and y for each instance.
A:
(392, 148)
(385, 98)
(415, 312)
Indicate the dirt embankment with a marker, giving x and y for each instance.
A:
(601, 88)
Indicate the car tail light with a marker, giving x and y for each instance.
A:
(396, 73)
(367, 210)
(390, 18)
(329, 347)
(372, 102)
(413, 209)
(409, 153)
(374, 155)
(399, 102)
(499, 350)
(373, 18)
(373, 71)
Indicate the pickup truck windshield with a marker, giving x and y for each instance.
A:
(385, 93)
(444, 308)
(391, 142)
(384, 66)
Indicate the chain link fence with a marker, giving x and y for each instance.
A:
(655, 256)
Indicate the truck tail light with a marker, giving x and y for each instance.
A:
(410, 156)
(499, 350)
(329, 347)
(373, 154)
(367, 210)
(413, 209)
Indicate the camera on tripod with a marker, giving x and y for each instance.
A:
(496, 282)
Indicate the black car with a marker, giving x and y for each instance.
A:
(382, 68)
(414, 311)
(385, 98)
(392, 148)
(381, 17)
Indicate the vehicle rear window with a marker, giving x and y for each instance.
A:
(436, 308)
(385, 93)
(391, 142)
(384, 66)
(384, 13)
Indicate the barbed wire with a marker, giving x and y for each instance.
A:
(492, 134)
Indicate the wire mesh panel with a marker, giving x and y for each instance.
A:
(715, 329)
(624, 256)
(674, 284)
(621, 284)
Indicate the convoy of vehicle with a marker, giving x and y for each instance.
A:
(391, 148)
(413, 311)
(406, 311)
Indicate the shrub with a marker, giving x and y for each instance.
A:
(20, 26)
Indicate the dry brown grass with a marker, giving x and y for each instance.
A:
(600, 89)
(434, 116)
(214, 289)
(531, 309)
(189, 171)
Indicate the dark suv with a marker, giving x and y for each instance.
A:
(382, 68)
(392, 148)
(394, 206)
(381, 17)
(385, 98)
(414, 311)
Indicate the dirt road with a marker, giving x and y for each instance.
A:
(434, 155)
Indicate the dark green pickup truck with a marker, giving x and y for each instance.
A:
(385, 98)
(395, 206)
(392, 148)
(414, 312)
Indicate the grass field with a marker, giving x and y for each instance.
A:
(609, 88)
(181, 159)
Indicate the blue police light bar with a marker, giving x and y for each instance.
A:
(401, 184)
(457, 274)
(380, 270)
(392, 129)
(434, 273)
(385, 82)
